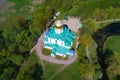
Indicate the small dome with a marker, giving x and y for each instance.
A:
(59, 24)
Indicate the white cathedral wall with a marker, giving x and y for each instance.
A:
(48, 47)
(59, 54)
(58, 31)
(59, 42)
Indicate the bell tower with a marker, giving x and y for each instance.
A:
(58, 26)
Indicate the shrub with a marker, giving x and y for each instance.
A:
(58, 57)
(74, 44)
(66, 58)
(46, 51)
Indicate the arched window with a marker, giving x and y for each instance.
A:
(62, 43)
(49, 40)
(55, 40)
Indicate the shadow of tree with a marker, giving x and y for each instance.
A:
(38, 72)
(107, 53)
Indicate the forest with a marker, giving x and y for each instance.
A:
(23, 23)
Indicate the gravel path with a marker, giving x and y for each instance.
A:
(106, 21)
(39, 46)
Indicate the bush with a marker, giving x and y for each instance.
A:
(74, 44)
(66, 58)
(58, 57)
(46, 51)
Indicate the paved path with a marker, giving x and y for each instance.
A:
(111, 20)
(39, 46)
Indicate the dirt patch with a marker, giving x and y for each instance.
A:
(2, 2)
(27, 8)
(6, 10)
(38, 1)
(5, 7)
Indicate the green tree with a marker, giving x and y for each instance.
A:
(91, 26)
(86, 41)
(86, 71)
(38, 72)
(113, 63)
(4, 56)
(98, 14)
(20, 23)
(40, 19)
(2, 41)
(8, 72)
(17, 59)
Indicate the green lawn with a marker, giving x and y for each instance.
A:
(20, 3)
(71, 72)
(113, 43)
(50, 69)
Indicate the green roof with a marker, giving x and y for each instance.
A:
(49, 45)
(67, 43)
(45, 39)
(62, 50)
(61, 36)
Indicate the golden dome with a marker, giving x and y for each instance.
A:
(58, 24)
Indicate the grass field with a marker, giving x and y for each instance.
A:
(70, 72)
(20, 3)
(113, 43)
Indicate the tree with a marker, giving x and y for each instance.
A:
(17, 59)
(98, 14)
(91, 26)
(86, 71)
(40, 19)
(20, 23)
(2, 41)
(38, 72)
(4, 56)
(8, 72)
(86, 41)
(113, 65)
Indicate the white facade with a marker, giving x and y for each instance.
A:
(59, 42)
(63, 55)
(58, 31)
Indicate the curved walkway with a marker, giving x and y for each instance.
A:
(40, 45)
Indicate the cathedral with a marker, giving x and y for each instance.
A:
(59, 39)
